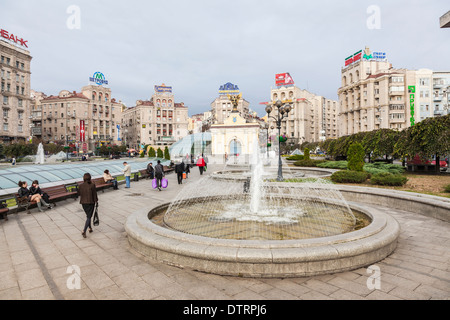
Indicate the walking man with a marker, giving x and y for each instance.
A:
(201, 165)
(179, 170)
(159, 174)
(127, 173)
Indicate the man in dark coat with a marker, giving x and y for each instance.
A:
(159, 173)
(179, 170)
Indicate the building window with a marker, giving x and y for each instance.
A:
(5, 100)
(5, 113)
(20, 115)
(5, 127)
(20, 128)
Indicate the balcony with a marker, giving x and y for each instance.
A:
(438, 113)
(437, 98)
(167, 139)
(36, 131)
(396, 93)
(438, 85)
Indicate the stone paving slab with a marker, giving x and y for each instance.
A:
(36, 251)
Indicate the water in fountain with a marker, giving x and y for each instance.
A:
(277, 211)
(256, 179)
(40, 156)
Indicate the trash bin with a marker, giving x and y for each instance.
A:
(136, 176)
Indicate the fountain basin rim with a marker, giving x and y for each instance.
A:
(383, 230)
(376, 225)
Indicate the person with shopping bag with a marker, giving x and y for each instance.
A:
(88, 199)
(201, 165)
(159, 175)
(179, 170)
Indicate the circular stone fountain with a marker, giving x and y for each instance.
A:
(263, 229)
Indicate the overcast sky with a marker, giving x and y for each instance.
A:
(197, 46)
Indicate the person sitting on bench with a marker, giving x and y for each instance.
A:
(24, 194)
(110, 179)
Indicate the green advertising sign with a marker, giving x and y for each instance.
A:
(411, 91)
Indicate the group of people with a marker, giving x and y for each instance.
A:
(33, 194)
(157, 173)
(87, 191)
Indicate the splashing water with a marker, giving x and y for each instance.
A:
(40, 156)
(220, 208)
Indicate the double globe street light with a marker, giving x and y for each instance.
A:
(283, 112)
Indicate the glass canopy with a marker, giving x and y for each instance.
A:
(67, 173)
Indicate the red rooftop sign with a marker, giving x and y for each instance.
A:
(5, 34)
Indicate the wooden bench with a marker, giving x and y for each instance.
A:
(168, 169)
(100, 184)
(59, 193)
(23, 203)
(144, 174)
(4, 209)
(55, 193)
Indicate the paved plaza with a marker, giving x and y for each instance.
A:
(39, 253)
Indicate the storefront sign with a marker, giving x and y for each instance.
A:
(353, 58)
(411, 91)
(82, 131)
(10, 37)
(283, 79)
(163, 88)
(368, 56)
(228, 89)
(118, 133)
(99, 79)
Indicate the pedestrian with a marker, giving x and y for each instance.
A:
(88, 199)
(201, 165)
(25, 195)
(150, 171)
(35, 189)
(13, 161)
(179, 170)
(159, 174)
(206, 161)
(127, 173)
(187, 169)
(110, 179)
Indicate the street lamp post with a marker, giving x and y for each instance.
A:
(283, 112)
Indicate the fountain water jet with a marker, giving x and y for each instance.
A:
(276, 230)
(40, 155)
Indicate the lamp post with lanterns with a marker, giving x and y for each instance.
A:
(283, 112)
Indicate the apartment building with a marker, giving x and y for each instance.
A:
(15, 91)
(159, 121)
(313, 118)
(89, 117)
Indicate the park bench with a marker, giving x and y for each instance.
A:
(55, 193)
(23, 203)
(60, 192)
(4, 209)
(168, 169)
(100, 184)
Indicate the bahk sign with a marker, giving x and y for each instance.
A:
(283, 79)
(11, 37)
